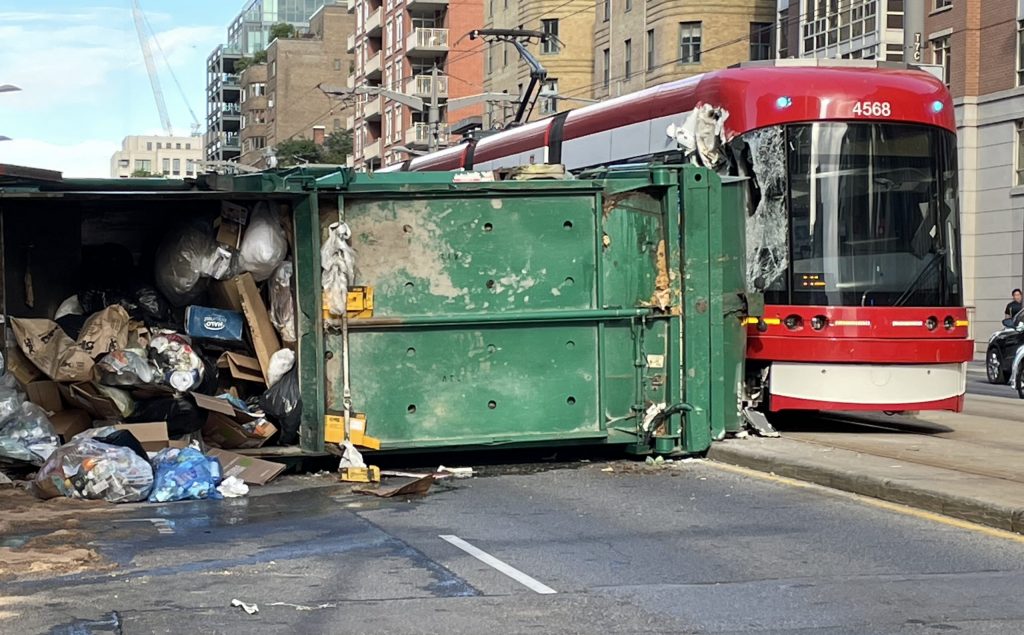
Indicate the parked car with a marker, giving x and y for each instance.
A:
(1002, 348)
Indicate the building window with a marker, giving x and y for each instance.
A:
(149, 145)
(689, 42)
(337, 124)
(398, 32)
(177, 146)
(143, 165)
(549, 105)
(761, 41)
(1020, 52)
(389, 38)
(607, 10)
(629, 5)
(942, 4)
(490, 7)
(940, 56)
(188, 146)
(273, 68)
(158, 145)
(650, 50)
(166, 165)
(337, 63)
(628, 55)
(190, 167)
(504, 55)
(1019, 164)
(124, 163)
(549, 27)
(177, 167)
(607, 58)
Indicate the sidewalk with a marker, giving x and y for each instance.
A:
(968, 465)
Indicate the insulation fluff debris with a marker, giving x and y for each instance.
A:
(702, 137)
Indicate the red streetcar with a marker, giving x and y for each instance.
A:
(852, 226)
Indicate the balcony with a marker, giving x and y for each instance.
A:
(372, 108)
(373, 65)
(231, 81)
(427, 5)
(373, 23)
(421, 86)
(350, 45)
(232, 141)
(418, 136)
(350, 122)
(371, 150)
(426, 41)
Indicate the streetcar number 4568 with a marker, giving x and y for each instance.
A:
(872, 109)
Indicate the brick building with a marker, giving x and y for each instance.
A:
(570, 65)
(639, 44)
(280, 99)
(980, 46)
(396, 45)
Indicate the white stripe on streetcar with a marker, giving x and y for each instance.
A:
(491, 561)
(907, 323)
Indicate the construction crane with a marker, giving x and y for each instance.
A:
(145, 31)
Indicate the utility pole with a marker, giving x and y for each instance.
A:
(913, 32)
(434, 113)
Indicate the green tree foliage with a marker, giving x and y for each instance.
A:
(260, 57)
(282, 31)
(143, 174)
(337, 147)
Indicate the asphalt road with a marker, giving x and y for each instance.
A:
(977, 383)
(690, 548)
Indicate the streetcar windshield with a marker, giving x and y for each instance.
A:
(869, 213)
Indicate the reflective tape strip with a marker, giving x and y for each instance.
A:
(907, 323)
(962, 322)
(852, 323)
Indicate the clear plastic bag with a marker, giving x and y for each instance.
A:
(124, 368)
(282, 302)
(87, 468)
(184, 474)
(264, 245)
(10, 398)
(280, 363)
(27, 435)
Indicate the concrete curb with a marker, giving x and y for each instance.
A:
(967, 497)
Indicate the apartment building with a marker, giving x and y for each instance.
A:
(280, 100)
(843, 29)
(980, 46)
(247, 34)
(173, 157)
(397, 44)
(569, 62)
(639, 44)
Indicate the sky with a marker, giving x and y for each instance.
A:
(83, 79)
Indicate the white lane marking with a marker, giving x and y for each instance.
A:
(507, 569)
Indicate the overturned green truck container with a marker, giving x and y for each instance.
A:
(602, 310)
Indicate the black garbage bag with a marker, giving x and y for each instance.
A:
(152, 305)
(97, 299)
(125, 439)
(181, 414)
(282, 404)
(72, 324)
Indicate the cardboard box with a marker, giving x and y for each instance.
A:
(21, 367)
(45, 394)
(224, 422)
(152, 436)
(214, 324)
(241, 294)
(241, 367)
(88, 398)
(248, 468)
(68, 423)
(334, 430)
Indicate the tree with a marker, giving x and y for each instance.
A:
(297, 152)
(337, 147)
(144, 174)
(282, 31)
(260, 57)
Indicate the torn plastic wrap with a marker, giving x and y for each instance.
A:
(282, 302)
(702, 136)
(768, 227)
(338, 262)
(27, 435)
(264, 245)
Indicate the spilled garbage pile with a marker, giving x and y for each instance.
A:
(146, 383)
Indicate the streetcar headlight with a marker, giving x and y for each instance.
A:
(794, 322)
(949, 323)
(932, 323)
(783, 102)
(938, 106)
(819, 322)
